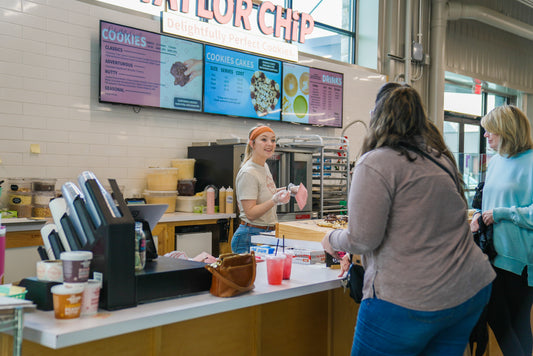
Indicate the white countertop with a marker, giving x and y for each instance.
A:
(41, 327)
(30, 224)
(177, 216)
(24, 224)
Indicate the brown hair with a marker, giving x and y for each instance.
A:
(399, 121)
(512, 125)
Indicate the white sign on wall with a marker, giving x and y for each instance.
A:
(227, 37)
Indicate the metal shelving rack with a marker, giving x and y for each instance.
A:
(331, 171)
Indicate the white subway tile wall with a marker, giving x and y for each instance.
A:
(49, 74)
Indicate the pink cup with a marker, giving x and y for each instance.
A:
(275, 265)
(287, 266)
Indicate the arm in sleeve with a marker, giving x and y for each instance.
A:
(520, 216)
(368, 212)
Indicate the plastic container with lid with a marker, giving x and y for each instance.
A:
(23, 211)
(41, 211)
(186, 187)
(43, 197)
(76, 266)
(187, 204)
(185, 166)
(162, 179)
(43, 185)
(20, 185)
(20, 198)
(162, 197)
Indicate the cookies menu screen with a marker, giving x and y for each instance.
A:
(147, 69)
(241, 84)
(311, 96)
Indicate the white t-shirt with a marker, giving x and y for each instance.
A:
(254, 182)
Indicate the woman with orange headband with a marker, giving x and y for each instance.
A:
(257, 195)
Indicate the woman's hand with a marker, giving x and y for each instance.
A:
(488, 217)
(281, 197)
(194, 68)
(474, 225)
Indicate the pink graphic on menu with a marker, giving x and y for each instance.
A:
(325, 97)
(130, 69)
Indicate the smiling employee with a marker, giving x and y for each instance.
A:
(256, 193)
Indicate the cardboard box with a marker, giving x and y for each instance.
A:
(309, 256)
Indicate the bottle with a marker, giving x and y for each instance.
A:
(222, 200)
(140, 247)
(229, 201)
(210, 200)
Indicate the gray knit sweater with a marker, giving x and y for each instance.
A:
(409, 223)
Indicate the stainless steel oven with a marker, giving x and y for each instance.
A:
(295, 166)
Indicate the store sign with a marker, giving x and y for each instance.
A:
(296, 25)
(288, 24)
(227, 37)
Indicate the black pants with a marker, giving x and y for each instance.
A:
(509, 312)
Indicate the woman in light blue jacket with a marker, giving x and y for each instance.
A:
(508, 205)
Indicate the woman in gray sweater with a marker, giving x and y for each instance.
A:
(426, 282)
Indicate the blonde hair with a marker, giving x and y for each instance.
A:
(249, 150)
(512, 125)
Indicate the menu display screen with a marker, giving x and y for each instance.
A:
(147, 69)
(312, 96)
(241, 84)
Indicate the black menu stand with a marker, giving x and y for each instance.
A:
(113, 250)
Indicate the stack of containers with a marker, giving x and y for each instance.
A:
(44, 190)
(187, 200)
(162, 187)
(68, 297)
(20, 197)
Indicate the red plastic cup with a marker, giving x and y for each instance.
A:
(287, 266)
(275, 265)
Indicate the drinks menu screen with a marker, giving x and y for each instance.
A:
(311, 96)
(147, 69)
(241, 84)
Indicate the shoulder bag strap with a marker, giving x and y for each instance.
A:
(431, 158)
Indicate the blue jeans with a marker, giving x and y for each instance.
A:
(242, 238)
(384, 328)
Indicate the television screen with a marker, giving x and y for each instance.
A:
(148, 69)
(311, 96)
(241, 84)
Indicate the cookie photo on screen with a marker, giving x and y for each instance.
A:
(265, 93)
(178, 71)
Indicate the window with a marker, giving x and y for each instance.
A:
(465, 101)
(334, 33)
